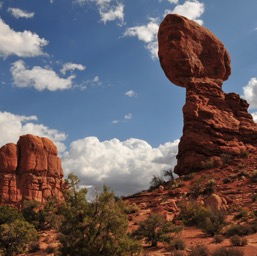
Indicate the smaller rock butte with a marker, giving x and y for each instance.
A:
(216, 124)
(30, 170)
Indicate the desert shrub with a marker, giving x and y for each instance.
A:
(242, 214)
(156, 182)
(200, 250)
(226, 180)
(254, 176)
(34, 246)
(213, 222)
(226, 158)
(156, 229)
(218, 239)
(210, 186)
(177, 253)
(169, 174)
(178, 244)
(222, 251)
(176, 184)
(238, 241)
(191, 213)
(189, 176)
(254, 198)
(243, 174)
(129, 209)
(240, 230)
(197, 187)
(50, 249)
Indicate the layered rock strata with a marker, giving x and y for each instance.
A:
(30, 170)
(217, 125)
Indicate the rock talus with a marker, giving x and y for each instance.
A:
(216, 124)
(30, 170)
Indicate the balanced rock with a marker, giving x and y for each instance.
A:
(215, 123)
(30, 170)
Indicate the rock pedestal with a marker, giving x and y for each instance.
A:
(216, 124)
(30, 170)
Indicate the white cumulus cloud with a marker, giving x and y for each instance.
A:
(71, 67)
(38, 78)
(13, 126)
(250, 92)
(22, 44)
(19, 13)
(126, 166)
(192, 9)
(146, 33)
(130, 93)
(254, 117)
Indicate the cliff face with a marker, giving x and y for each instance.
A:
(216, 124)
(30, 170)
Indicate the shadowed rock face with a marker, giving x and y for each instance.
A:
(30, 170)
(216, 124)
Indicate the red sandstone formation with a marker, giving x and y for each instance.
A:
(216, 125)
(30, 170)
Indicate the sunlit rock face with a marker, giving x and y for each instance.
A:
(215, 123)
(30, 170)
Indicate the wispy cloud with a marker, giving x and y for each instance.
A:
(96, 81)
(109, 10)
(130, 93)
(71, 67)
(38, 78)
(22, 44)
(146, 33)
(128, 116)
(18, 13)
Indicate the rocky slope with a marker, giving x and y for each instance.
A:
(215, 123)
(30, 170)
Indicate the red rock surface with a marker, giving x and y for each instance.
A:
(30, 170)
(216, 124)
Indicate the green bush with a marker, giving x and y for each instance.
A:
(240, 230)
(178, 244)
(213, 222)
(200, 250)
(210, 186)
(242, 214)
(228, 252)
(178, 253)
(218, 239)
(238, 241)
(34, 246)
(191, 213)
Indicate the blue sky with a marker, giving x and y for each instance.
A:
(85, 73)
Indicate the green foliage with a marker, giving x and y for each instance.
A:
(178, 244)
(254, 176)
(15, 236)
(42, 218)
(129, 209)
(222, 251)
(199, 250)
(210, 186)
(156, 229)
(238, 241)
(213, 222)
(197, 187)
(98, 227)
(240, 230)
(9, 214)
(191, 213)
(218, 239)
(189, 176)
(242, 214)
